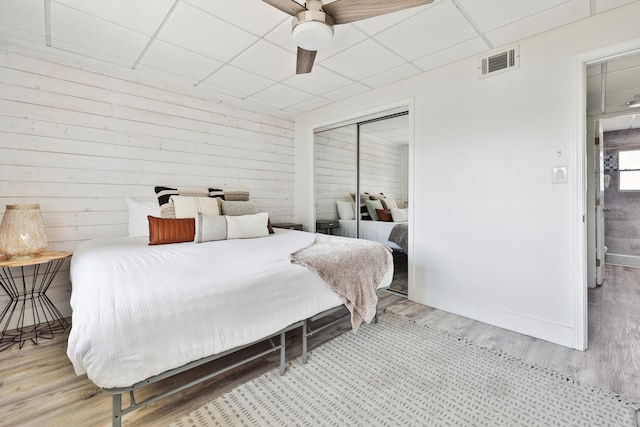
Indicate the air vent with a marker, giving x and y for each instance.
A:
(500, 61)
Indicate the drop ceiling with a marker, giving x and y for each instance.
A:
(242, 49)
(609, 96)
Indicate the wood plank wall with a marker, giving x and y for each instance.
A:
(79, 141)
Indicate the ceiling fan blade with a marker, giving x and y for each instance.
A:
(344, 12)
(287, 6)
(305, 60)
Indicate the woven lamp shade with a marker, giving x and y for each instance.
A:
(22, 233)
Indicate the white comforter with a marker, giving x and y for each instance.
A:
(141, 310)
(376, 231)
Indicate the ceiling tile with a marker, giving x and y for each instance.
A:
(435, 29)
(375, 25)
(200, 32)
(344, 37)
(255, 16)
(391, 76)
(176, 60)
(281, 96)
(363, 60)
(318, 82)
(79, 29)
(594, 85)
(627, 78)
(27, 15)
(347, 92)
(239, 81)
(617, 123)
(551, 18)
(267, 60)
(141, 15)
(603, 5)
(281, 36)
(462, 50)
(491, 14)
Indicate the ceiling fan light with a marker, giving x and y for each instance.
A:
(313, 35)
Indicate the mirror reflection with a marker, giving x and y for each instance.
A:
(371, 158)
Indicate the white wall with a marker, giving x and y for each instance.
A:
(78, 141)
(491, 235)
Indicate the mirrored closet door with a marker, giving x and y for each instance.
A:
(369, 158)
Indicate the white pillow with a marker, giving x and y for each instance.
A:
(390, 203)
(400, 215)
(247, 226)
(372, 205)
(209, 228)
(138, 212)
(345, 210)
(190, 206)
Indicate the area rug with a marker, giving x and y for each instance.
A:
(398, 373)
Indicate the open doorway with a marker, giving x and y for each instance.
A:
(613, 111)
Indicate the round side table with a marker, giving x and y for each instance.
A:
(30, 295)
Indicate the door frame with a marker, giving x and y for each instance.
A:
(580, 192)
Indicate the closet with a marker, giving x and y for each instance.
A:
(362, 184)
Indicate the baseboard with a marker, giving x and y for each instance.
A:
(626, 260)
(517, 322)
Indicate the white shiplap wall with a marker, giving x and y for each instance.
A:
(79, 141)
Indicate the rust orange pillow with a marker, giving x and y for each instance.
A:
(170, 230)
(384, 215)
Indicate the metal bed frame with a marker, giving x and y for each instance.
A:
(307, 327)
(118, 411)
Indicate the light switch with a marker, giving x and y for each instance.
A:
(559, 175)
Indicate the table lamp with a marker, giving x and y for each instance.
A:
(22, 233)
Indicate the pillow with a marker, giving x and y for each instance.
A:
(234, 208)
(345, 210)
(236, 196)
(190, 206)
(216, 192)
(164, 194)
(384, 215)
(247, 226)
(138, 212)
(400, 215)
(372, 205)
(364, 212)
(387, 202)
(171, 230)
(209, 228)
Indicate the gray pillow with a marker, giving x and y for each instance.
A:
(210, 227)
(239, 208)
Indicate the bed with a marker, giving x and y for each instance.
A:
(130, 300)
(377, 231)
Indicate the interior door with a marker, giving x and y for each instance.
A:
(599, 183)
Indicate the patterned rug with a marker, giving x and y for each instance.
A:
(398, 373)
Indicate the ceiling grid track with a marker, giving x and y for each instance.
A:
(47, 22)
(473, 24)
(156, 34)
(603, 88)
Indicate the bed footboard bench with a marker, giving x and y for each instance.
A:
(118, 411)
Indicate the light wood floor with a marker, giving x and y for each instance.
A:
(39, 388)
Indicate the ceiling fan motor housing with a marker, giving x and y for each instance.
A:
(312, 28)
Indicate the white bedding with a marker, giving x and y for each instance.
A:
(377, 231)
(141, 310)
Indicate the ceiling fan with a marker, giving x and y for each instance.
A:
(313, 23)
